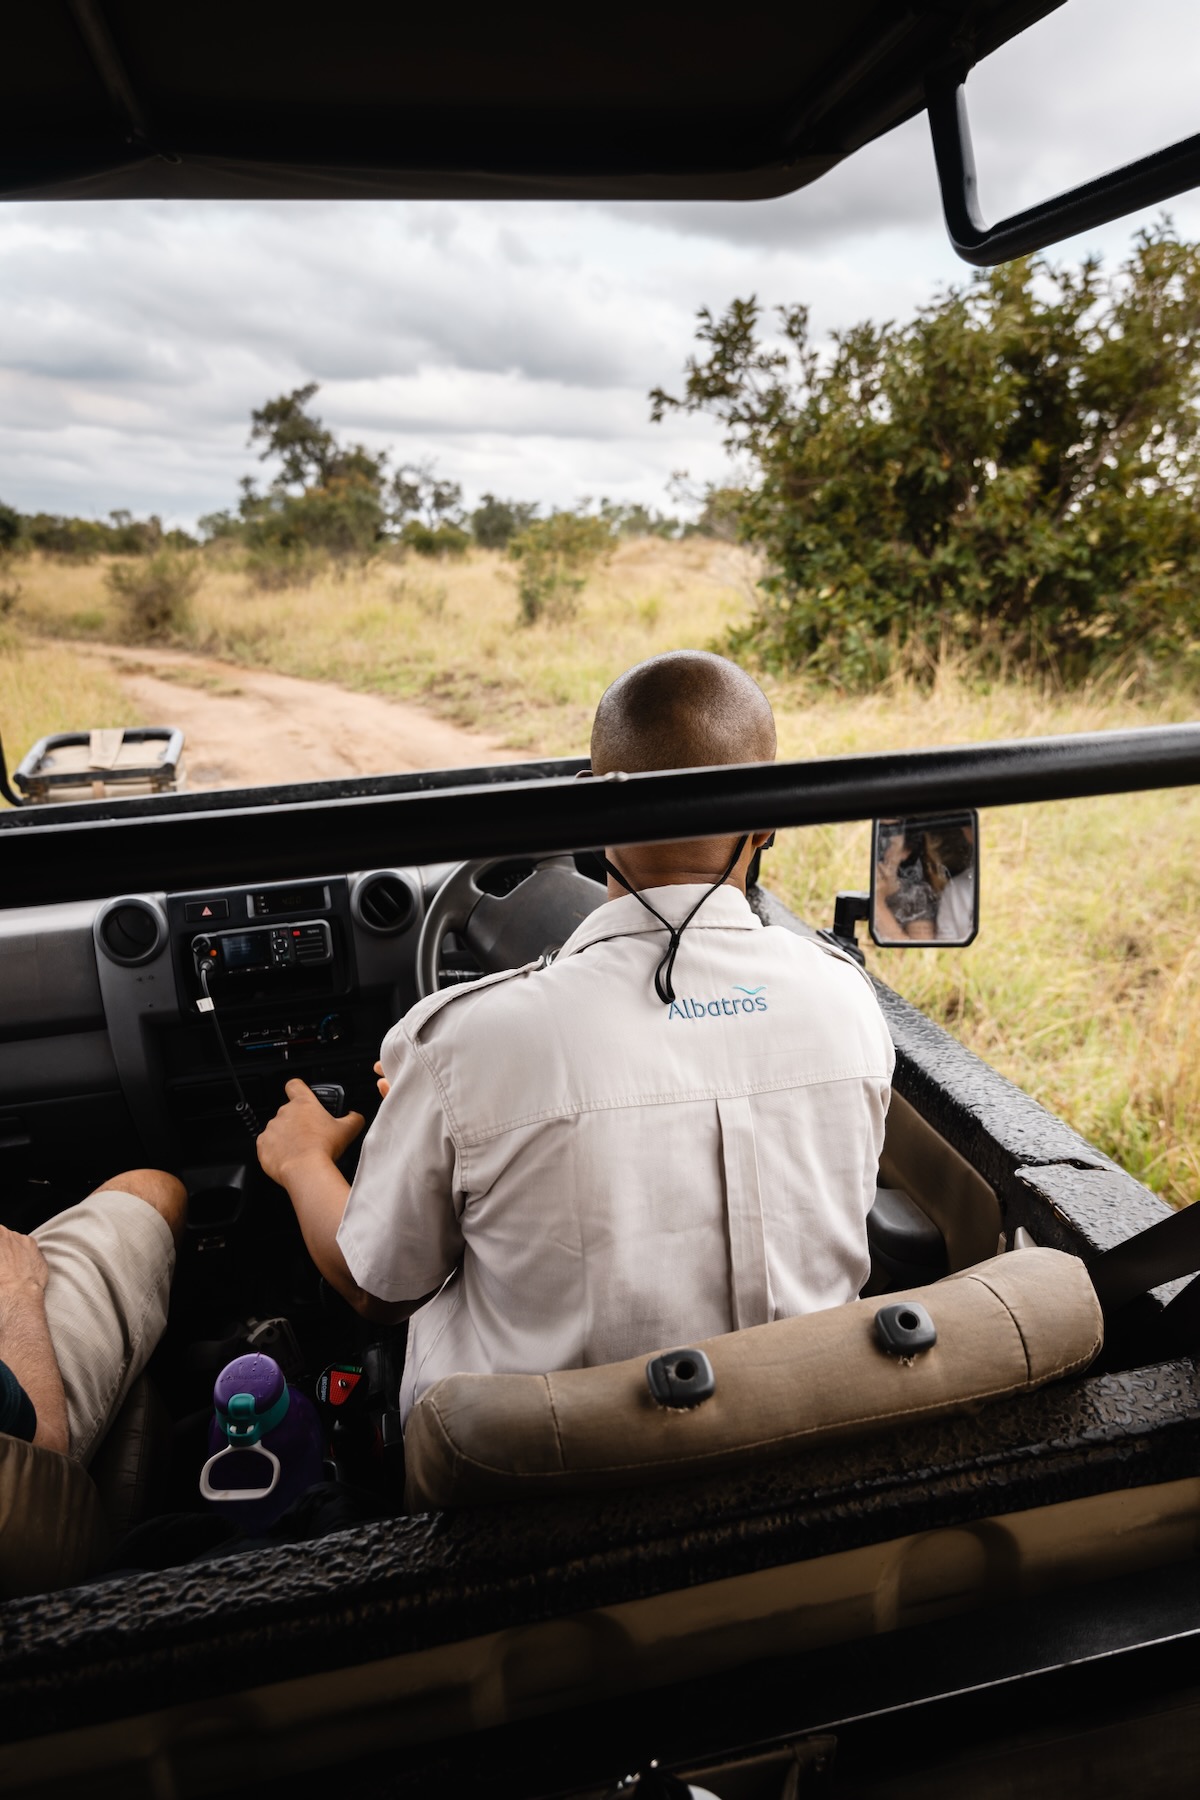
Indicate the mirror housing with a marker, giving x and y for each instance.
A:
(925, 881)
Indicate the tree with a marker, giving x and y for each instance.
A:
(418, 492)
(1013, 470)
(128, 536)
(10, 529)
(305, 449)
(339, 508)
(495, 521)
(635, 520)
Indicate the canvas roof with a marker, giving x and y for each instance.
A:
(111, 99)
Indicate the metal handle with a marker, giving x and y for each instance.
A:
(1142, 183)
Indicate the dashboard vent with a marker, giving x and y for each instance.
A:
(385, 903)
(131, 931)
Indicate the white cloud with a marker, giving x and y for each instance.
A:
(515, 342)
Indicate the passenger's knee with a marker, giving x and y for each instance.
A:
(163, 1192)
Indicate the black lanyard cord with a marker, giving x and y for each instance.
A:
(663, 984)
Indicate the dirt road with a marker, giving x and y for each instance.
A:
(252, 726)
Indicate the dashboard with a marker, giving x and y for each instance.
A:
(109, 1057)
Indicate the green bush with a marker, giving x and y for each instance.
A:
(67, 540)
(127, 536)
(441, 541)
(494, 523)
(10, 530)
(82, 540)
(554, 557)
(154, 595)
(1011, 473)
(343, 519)
(271, 566)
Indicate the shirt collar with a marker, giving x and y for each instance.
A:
(727, 909)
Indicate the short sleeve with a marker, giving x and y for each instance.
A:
(400, 1232)
(17, 1416)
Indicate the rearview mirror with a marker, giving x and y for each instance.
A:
(925, 880)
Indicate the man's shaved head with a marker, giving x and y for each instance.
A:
(682, 710)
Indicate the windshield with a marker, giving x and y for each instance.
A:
(337, 489)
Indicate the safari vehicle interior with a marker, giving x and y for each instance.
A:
(110, 1061)
(886, 1591)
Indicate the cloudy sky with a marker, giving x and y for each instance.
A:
(515, 343)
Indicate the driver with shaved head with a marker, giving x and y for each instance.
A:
(682, 711)
(669, 1131)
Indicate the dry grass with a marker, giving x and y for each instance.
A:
(45, 688)
(445, 634)
(1084, 985)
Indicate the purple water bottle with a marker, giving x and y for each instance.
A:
(266, 1440)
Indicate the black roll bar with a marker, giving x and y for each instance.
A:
(1142, 183)
(161, 847)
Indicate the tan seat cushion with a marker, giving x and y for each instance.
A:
(52, 1527)
(1005, 1326)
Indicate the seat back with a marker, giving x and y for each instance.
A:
(1008, 1325)
(963, 1206)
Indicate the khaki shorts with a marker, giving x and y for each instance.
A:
(110, 1259)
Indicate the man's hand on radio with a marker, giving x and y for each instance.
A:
(383, 1084)
(301, 1132)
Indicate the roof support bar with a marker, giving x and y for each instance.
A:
(1142, 183)
(106, 58)
(168, 847)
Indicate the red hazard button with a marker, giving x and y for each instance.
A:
(195, 910)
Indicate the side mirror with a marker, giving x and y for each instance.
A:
(925, 880)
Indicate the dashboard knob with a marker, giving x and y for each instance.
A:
(332, 1029)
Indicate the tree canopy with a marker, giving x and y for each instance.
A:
(340, 500)
(309, 455)
(1012, 471)
(327, 496)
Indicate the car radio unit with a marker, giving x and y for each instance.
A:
(276, 948)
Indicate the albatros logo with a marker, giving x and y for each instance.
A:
(746, 1000)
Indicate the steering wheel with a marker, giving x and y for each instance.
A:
(503, 931)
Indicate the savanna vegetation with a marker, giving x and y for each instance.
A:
(333, 508)
(1012, 473)
(977, 524)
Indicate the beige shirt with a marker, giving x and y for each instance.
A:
(592, 1174)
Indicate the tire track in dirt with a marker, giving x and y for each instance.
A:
(252, 726)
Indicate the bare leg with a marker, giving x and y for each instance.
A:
(107, 1296)
(163, 1192)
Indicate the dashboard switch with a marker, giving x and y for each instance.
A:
(196, 910)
